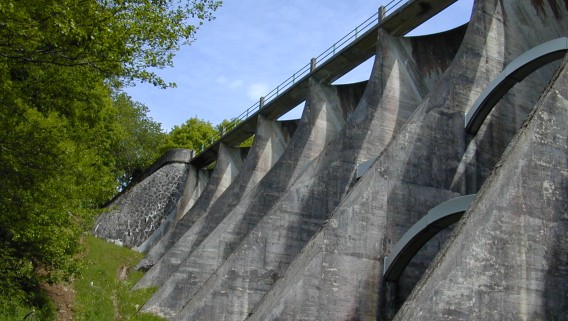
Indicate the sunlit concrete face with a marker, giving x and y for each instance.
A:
(283, 232)
(306, 239)
(393, 193)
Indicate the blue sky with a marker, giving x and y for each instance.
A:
(254, 45)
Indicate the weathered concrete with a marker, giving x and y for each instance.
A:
(296, 235)
(271, 139)
(514, 72)
(508, 259)
(194, 185)
(338, 274)
(394, 91)
(401, 21)
(323, 118)
(437, 219)
(197, 180)
(228, 166)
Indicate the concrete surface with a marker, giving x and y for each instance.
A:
(507, 259)
(323, 118)
(270, 141)
(297, 236)
(228, 166)
(338, 274)
(394, 91)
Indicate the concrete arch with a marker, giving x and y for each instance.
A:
(451, 211)
(438, 218)
(515, 71)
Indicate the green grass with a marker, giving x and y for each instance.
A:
(99, 294)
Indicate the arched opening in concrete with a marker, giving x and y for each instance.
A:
(513, 73)
(451, 211)
(443, 216)
(438, 218)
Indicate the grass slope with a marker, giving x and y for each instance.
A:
(104, 290)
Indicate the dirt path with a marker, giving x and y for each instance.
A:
(63, 296)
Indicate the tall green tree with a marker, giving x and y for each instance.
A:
(56, 169)
(63, 128)
(137, 139)
(193, 134)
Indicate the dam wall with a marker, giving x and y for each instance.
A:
(299, 226)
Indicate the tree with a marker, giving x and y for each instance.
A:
(66, 132)
(193, 134)
(56, 169)
(121, 39)
(136, 139)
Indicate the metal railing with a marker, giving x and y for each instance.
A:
(306, 70)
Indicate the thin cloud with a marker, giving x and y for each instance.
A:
(252, 46)
(257, 90)
(228, 83)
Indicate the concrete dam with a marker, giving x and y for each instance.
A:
(436, 190)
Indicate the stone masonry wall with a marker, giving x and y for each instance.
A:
(133, 215)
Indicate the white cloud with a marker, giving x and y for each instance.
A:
(257, 90)
(222, 80)
(237, 83)
(231, 84)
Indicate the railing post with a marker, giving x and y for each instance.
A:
(261, 103)
(313, 63)
(382, 13)
(223, 129)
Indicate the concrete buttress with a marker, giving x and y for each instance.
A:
(323, 117)
(507, 258)
(228, 166)
(301, 227)
(338, 275)
(392, 94)
(270, 141)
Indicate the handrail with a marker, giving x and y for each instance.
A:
(306, 70)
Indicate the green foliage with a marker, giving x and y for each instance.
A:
(118, 38)
(100, 294)
(191, 135)
(196, 133)
(136, 139)
(53, 161)
(69, 139)
(226, 125)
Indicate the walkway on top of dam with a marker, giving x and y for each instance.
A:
(332, 64)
